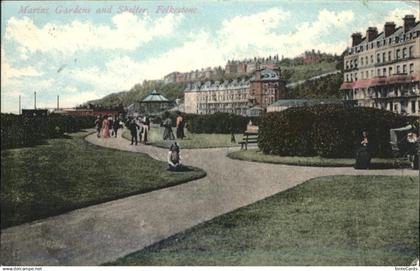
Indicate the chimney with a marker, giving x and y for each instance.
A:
(34, 99)
(258, 74)
(58, 102)
(20, 105)
(356, 39)
(409, 22)
(371, 33)
(389, 29)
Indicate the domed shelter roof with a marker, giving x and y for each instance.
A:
(155, 97)
(268, 74)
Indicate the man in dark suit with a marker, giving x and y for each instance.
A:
(133, 126)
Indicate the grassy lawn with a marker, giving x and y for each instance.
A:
(303, 72)
(256, 155)
(338, 220)
(70, 173)
(192, 141)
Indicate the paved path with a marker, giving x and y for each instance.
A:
(105, 232)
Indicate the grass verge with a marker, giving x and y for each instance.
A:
(256, 155)
(336, 220)
(192, 141)
(70, 173)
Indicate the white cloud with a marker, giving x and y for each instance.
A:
(200, 50)
(395, 15)
(11, 77)
(242, 32)
(70, 100)
(259, 35)
(127, 32)
(239, 37)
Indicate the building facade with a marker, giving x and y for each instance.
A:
(382, 70)
(236, 96)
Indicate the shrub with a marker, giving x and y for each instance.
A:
(331, 131)
(22, 131)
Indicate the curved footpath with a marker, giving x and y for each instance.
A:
(105, 232)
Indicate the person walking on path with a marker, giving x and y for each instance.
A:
(179, 127)
(174, 158)
(167, 124)
(133, 126)
(111, 126)
(105, 128)
(146, 128)
(98, 126)
(140, 128)
(116, 126)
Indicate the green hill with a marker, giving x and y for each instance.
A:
(292, 71)
(327, 87)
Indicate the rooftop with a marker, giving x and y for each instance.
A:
(300, 102)
(155, 97)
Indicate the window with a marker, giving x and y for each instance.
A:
(404, 68)
(378, 59)
(371, 59)
(367, 74)
(398, 54)
(366, 60)
(398, 69)
(383, 57)
(361, 61)
(410, 51)
(411, 68)
(384, 72)
(413, 106)
(347, 78)
(389, 71)
(378, 72)
(389, 55)
(405, 53)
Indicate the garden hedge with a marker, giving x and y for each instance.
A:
(331, 131)
(22, 131)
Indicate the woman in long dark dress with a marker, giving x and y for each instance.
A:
(362, 154)
(167, 133)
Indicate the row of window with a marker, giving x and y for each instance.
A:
(400, 69)
(384, 42)
(381, 58)
(400, 107)
(215, 98)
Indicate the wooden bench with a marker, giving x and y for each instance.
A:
(248, 138)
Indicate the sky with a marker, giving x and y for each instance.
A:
(84, 50)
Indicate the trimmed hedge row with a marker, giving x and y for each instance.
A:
(217, 123)
(22, 131)
(331, 131)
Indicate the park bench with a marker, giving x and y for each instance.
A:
(250, 136)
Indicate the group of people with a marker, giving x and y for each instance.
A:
(167, 124)
(139, 129)
(107, 126)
